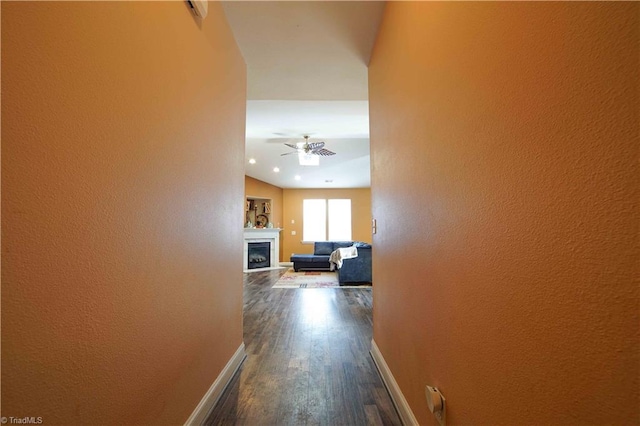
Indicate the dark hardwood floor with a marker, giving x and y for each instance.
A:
(308, 360)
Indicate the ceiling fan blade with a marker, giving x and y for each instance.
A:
(292, 146)
(289, 153)
(315, 145)
(281, 140)
(323, 152)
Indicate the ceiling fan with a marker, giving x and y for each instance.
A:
(309, 148)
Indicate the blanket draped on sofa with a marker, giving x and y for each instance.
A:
(337, 256)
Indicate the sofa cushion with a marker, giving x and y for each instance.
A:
(310, 258)
(359, 244)
(323, 247)
(302, 257)
(342, 244)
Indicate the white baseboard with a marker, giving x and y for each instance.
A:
(215, 391)
(404, 411)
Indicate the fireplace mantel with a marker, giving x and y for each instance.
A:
(259, 235)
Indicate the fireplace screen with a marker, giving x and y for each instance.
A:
(259, 255)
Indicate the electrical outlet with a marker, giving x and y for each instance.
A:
(436, 403)
(293, 232)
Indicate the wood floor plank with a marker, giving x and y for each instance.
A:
(308, 360)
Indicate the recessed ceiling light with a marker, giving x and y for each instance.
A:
(297, 177)
(276, 169)
(252, 161)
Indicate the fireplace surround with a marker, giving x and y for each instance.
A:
(263, 235)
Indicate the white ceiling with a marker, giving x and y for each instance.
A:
(307, 75)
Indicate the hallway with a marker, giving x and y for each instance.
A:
(308, 360)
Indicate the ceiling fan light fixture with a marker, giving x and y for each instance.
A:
(306, 150)
(308, 159)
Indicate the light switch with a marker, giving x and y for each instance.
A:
(293, 232)
(293, 221)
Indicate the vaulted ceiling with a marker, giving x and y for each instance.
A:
(307, 75)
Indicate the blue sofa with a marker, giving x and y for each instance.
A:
(355, 270)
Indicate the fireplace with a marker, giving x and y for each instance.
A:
(259, 255)
(261, 235)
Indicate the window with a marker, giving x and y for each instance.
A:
(314, 220)
(339, 220)
(326, 220)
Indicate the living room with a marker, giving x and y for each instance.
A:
(287, 212)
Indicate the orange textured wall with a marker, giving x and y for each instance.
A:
(504, 146)
(292, 201)
(122, 170)
(257, 188)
